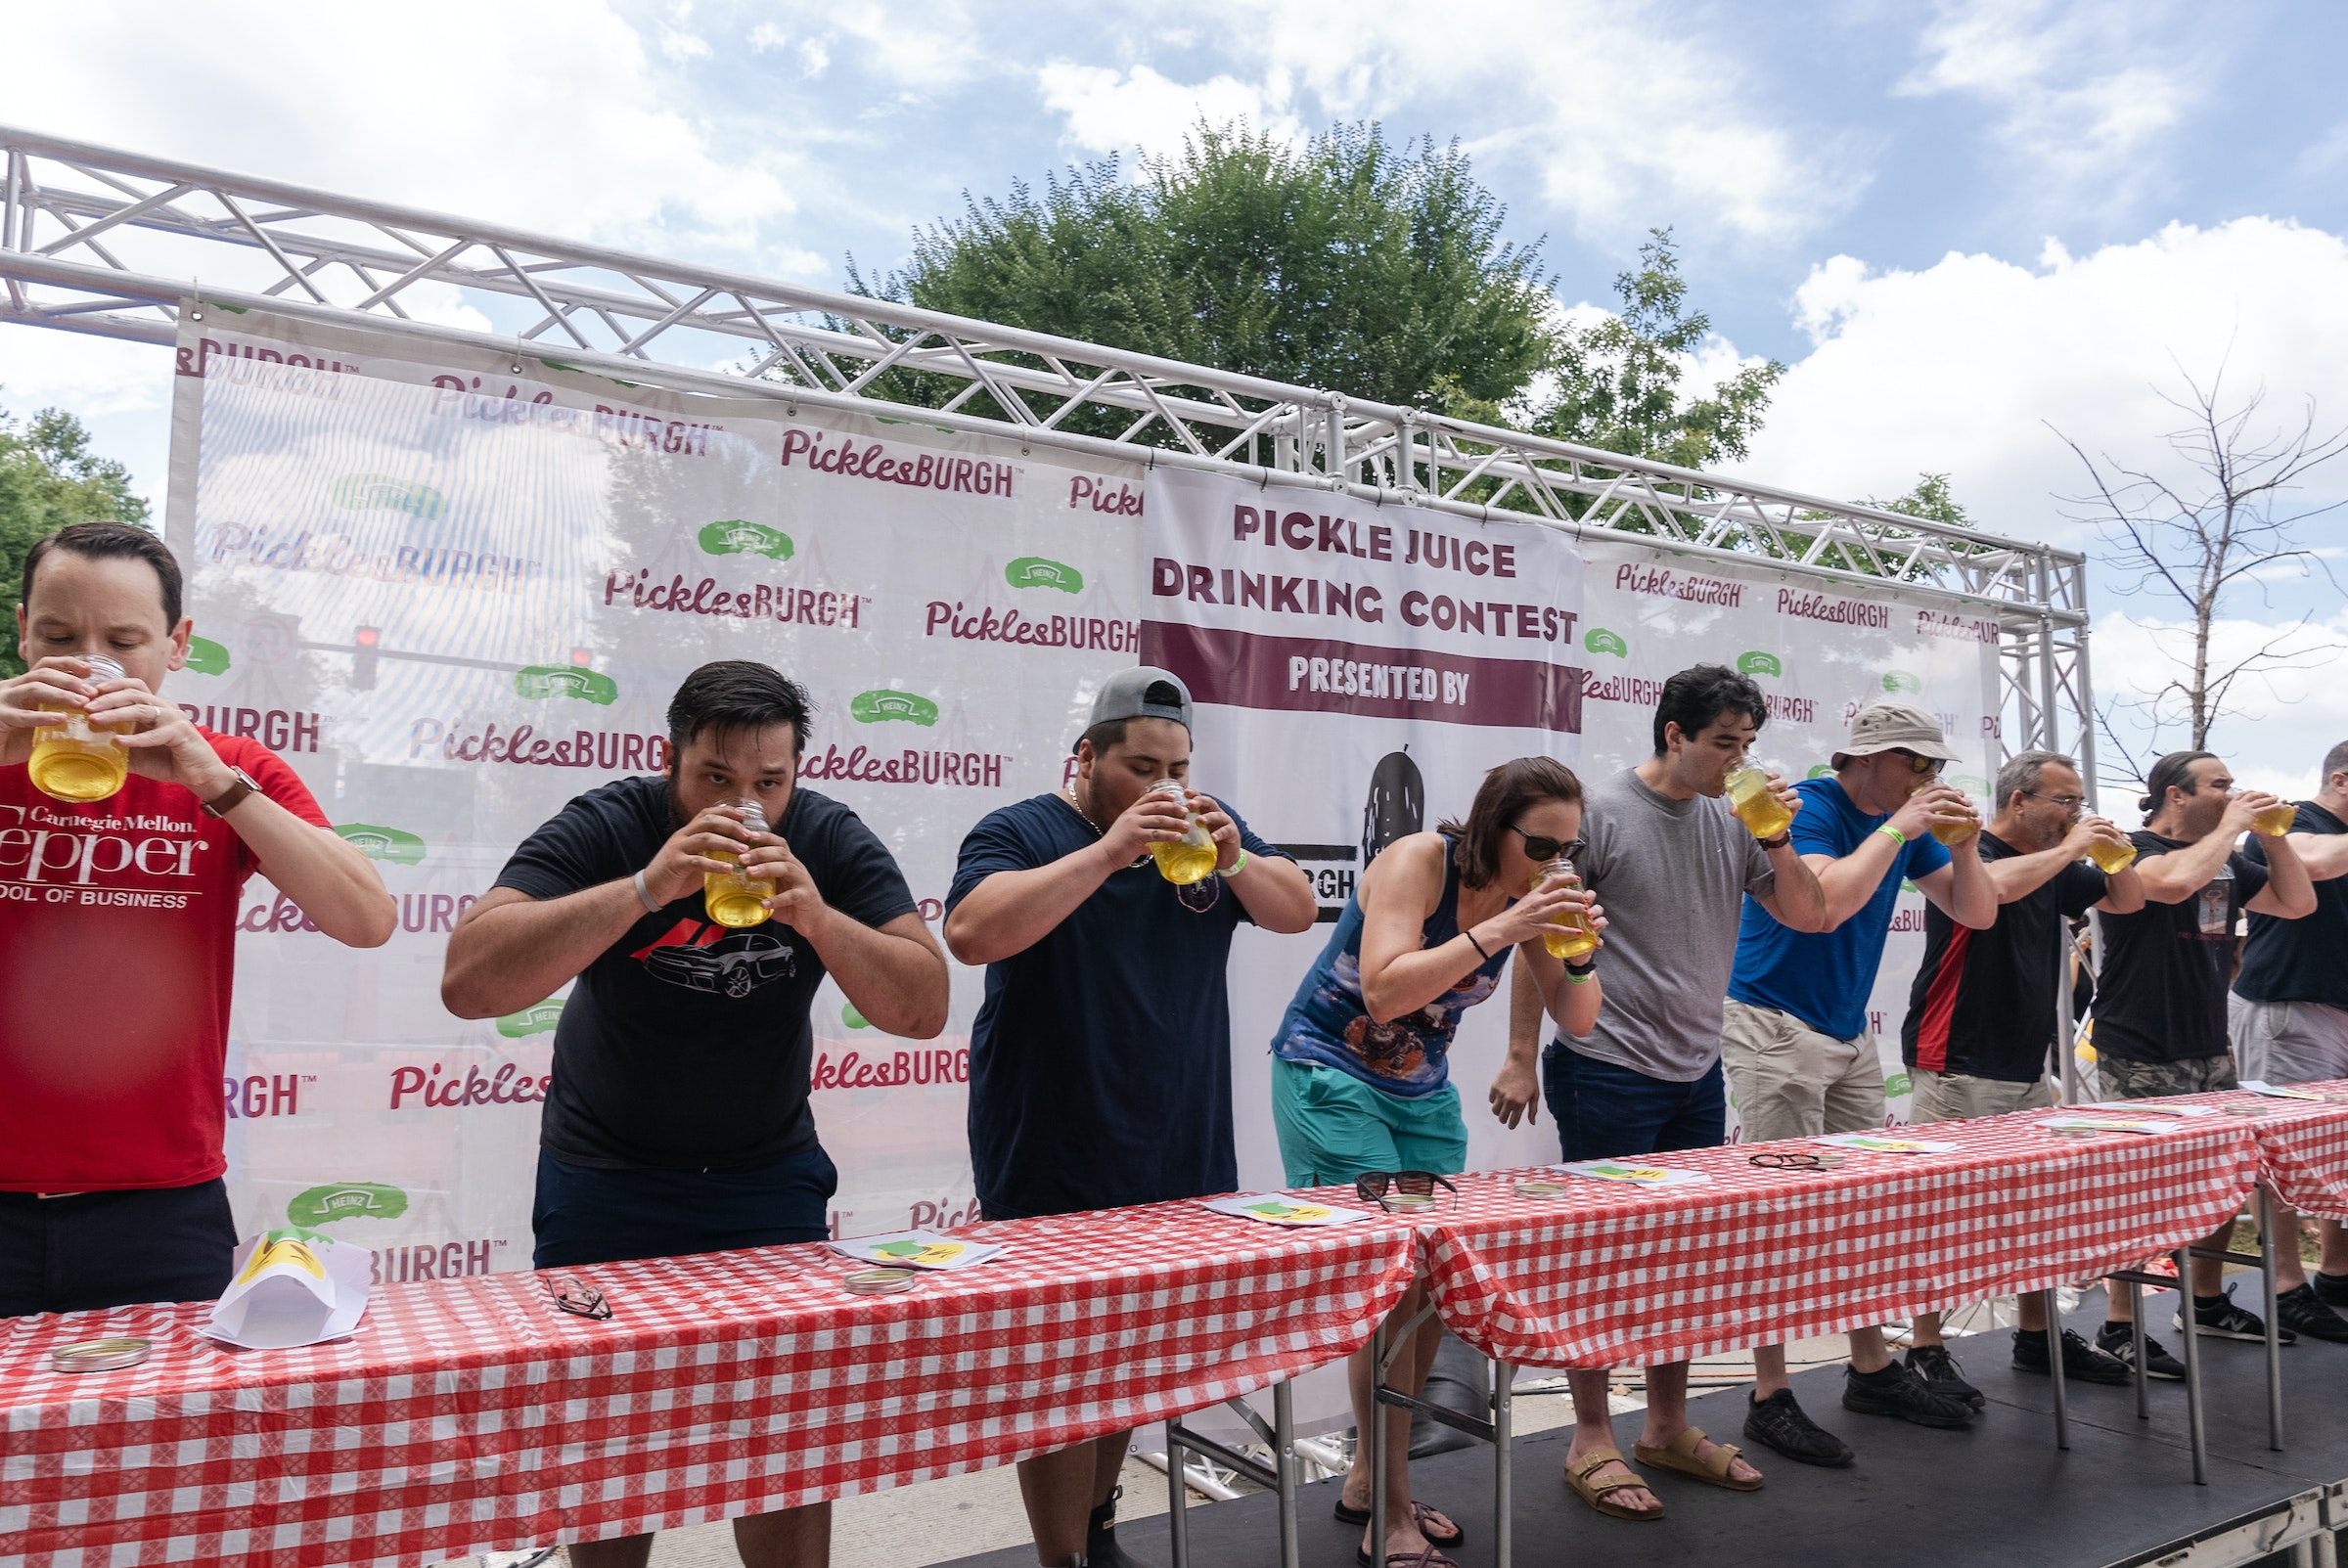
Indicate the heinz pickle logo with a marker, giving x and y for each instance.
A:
(882, 707)
(348, 1200)
(1034, 571)
(1902, 681)
(382, 843)
(852, 1018)
(539, 680)
(383, 492)
(1759, 663)
(1601, 640)
(207, 657)
(1819, 770)
(734, 537)
(539, 1018)
(1970, 785)
(1898, 1084)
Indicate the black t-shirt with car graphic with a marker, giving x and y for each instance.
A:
(686, 1045)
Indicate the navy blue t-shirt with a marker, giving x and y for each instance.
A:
(2304, 960)
(1100, 1060)
(1824, 978)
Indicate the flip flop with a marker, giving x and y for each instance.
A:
(1679, 1457)
(1431, 1558)
(1594, 1493)
(1420, 1511)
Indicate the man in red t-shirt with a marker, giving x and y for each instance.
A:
(117, 940)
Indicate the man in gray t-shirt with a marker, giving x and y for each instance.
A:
(1671, 868)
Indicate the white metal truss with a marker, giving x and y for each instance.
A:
(96, 240)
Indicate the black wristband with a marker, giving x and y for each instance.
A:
(1779, 842)
(1473, 943)
(1582, 968)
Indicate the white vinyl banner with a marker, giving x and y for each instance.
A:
(1362, 666)
(455, 596)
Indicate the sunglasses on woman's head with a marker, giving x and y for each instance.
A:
(1546, 848)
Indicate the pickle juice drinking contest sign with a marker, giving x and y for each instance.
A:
(454, 597)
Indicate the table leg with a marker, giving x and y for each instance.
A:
(2266, 1207)
(1503, 1379)
(1376, 1437)
(2193, 1367)
(1283, 1464)
(1178, 1524)
(2135, 1341)
(2062, 1403)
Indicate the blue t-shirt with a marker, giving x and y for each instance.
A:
(1825, 979)
(1100, 1060)
(1327, 1024)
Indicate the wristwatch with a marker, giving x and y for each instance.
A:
(229, 799)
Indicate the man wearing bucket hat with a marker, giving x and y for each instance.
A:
(1101, 1058)
(1795, 1040)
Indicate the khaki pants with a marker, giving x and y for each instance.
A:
(1789, 1081)
(1958, 1096)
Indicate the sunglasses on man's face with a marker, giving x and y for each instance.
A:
(1548, 849)
(1921, 765)
(1372, 1186)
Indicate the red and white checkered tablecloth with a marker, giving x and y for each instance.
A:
(1609, 1272)
(470, 1416)
(2303, 1150)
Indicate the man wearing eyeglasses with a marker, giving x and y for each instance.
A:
(1794, 1038)
(1981, 1014)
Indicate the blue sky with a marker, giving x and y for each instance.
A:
(1964, 226)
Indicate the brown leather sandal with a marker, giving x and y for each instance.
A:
(1679, 1457)
(1594, 1493)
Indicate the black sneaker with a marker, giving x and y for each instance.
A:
(1777, 1422)
(2114, 1340)
(2302, 1312)
(2330, 1288)
(2218, 1317)
(1942, 1375)
(1897, 1391)
(2082, 1363)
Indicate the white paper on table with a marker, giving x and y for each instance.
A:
(292, 1287)
(2144, 1107)
(1884, 1144)
(2259, 1086)
(917, 1249)
(1275, 1208)
(2106, 1124)
(1635, 1173)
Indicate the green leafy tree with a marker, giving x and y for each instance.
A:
(50, 477)
(1930, 500)
(1349, 263)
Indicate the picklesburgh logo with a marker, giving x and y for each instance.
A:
(717, 958)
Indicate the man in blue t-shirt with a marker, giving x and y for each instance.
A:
(1794, 1038)
(1101, 1060)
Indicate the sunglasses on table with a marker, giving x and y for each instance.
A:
(1548, 849)
(1372, 1186)
(579, 1300)
(1795, 1160)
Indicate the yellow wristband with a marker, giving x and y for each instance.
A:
(1895, 833)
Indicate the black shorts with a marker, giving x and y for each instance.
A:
(591, 1214)
(114, 1250)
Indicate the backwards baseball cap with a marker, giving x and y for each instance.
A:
(1895, 727)
(1143, 692)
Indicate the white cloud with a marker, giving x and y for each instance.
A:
(1625, 117)
(2078, 90)
(2284, 721)
(766, 37)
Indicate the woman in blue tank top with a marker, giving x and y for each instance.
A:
(1361, 1079)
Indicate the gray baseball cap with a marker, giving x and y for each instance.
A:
(1143, 692)
(1895, 727)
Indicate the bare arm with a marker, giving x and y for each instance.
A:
(1849, 882)
(1962, 890)
(894, 974)
(1399, 892)
(1516, 1093)
(2325, 855)
(1009, 912)
(1798, 902)
(1273, 889)
(2288, 892)
(2178, 874)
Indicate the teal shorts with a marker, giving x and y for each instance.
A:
(1333, 1127)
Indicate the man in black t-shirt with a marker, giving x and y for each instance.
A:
(677, 1121)
(1100, 1060)
(2160, 996)
(1981, 1015)
(2289, 1017)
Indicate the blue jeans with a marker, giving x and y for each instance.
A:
(1606, 1111)
(591, 1214)
(114, 1250)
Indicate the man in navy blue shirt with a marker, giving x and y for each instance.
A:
(1794, 1039)
(1101, 1058)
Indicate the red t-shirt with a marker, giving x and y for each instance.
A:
(118, 952)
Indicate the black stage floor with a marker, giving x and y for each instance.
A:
(1999, 1493)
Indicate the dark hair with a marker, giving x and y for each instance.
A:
(2022, 772)
(2177, 768)
(1502, 797)
(738, 695)
(110, 541)
(2334, 761)
(1700, 693)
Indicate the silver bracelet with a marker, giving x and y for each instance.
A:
(644, 896)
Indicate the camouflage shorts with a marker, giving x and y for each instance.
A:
(2149, 1080)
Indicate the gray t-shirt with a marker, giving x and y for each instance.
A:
(1672, 876)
